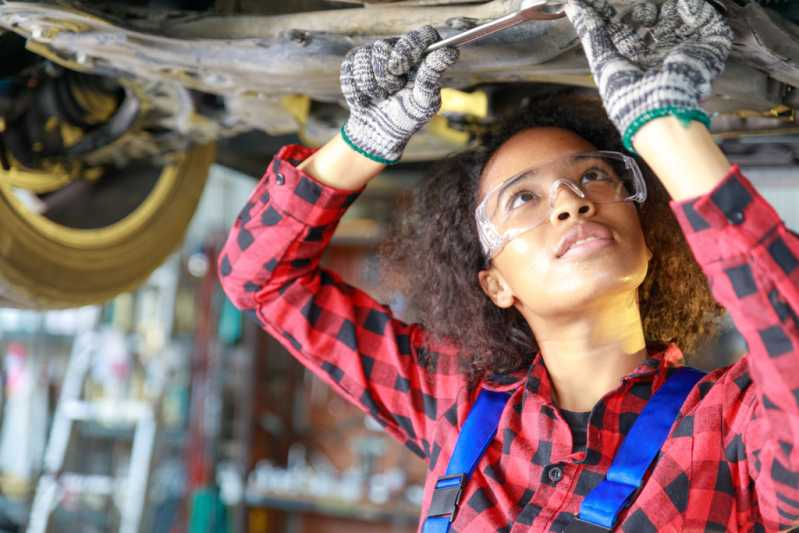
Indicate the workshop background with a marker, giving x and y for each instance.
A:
(166, 410)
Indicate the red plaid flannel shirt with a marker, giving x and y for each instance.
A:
(731, 462)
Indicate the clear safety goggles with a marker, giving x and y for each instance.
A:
(527, 199)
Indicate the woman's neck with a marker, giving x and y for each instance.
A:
(588, 355)
(578, 384)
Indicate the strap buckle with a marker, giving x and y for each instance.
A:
(581, 526)
(446, 496)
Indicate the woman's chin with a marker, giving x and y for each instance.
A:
(575, 294)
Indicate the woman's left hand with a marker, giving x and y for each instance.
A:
(667, 72)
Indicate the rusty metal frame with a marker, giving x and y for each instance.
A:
(254, 62)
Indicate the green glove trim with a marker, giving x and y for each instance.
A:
(363, 152)
(685, 116)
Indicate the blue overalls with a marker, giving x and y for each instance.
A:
(601, 507)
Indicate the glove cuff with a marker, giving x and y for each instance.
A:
(684, 115)
(353, 142)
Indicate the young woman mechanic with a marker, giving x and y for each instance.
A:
(549, 279)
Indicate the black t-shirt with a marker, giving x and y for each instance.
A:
(578, 423)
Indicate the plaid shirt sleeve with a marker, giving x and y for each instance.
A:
(269, 267)
(750, 259)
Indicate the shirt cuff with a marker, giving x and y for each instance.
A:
(299, 195)
(728, 221)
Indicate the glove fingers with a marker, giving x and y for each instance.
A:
(668, 31)
(381, 53)
(348, 79)
(601, 8)
(625, 35)
(643, 14)
(705, 44)
(410, 48)
(710, 25)
(683, 19)
(628, 42)
(364, 77)
(696, 13)
(594, 33)
(427, 83)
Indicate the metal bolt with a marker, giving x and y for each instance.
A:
(214, 78)
(299, 36)
(791, 98)
(37, 32)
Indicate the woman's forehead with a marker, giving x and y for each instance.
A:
(528, 148)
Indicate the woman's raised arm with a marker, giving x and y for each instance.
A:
(339, 166)
(684, 157)
(269, 266)
(751, 260)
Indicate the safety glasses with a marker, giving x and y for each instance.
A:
(526, 200)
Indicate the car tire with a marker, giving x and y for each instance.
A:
(48, 264)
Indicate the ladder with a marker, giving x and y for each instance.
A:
(54, 483)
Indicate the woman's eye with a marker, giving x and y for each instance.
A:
(596, 175)
(521, 198)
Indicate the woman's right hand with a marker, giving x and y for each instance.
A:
(668, 72)
(392, 89)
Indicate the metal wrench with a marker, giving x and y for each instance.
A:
(529, 10)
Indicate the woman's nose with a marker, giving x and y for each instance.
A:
(572, 202)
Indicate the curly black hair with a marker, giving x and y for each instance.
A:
(436, 251)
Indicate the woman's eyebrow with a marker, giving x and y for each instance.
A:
(533, 171)
(503, 190)
(596, 162)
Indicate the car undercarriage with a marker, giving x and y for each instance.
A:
(110, 110)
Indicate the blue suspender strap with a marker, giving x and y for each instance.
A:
(476, 434)
(601, 507)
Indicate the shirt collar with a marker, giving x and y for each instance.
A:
(537, 382)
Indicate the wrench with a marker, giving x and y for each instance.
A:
(529, 10)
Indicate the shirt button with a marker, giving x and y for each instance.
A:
(280, 179)
(736, 217)
(555, 473)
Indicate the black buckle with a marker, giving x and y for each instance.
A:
(445, 499)
(581, 526)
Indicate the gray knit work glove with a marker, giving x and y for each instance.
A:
(664, 72)
(392, 90)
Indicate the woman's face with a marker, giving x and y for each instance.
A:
(528, 272)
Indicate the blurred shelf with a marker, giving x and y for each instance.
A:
(26, 335)
(367, 512)
(121, 432)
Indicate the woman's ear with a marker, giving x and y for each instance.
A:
(495, 287)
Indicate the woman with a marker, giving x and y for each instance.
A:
(566, 318)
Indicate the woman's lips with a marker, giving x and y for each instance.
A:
(587, 247)
(580, 232)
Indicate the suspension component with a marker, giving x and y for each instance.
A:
(50, 117)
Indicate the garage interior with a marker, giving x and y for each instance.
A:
(243, 438)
